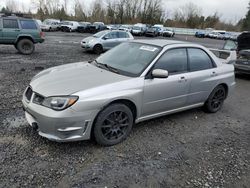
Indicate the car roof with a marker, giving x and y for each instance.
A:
(160, 42)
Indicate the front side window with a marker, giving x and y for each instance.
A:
(28, 24)
(10, 24)
(174, 61)
(114, 35)
(199, 60)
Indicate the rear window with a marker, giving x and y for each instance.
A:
(10, 24)
(28, 24)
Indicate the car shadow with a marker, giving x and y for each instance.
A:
(243, 76)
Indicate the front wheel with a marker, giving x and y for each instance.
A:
(98, 49)
(215, 99)
(113, 125)
(25, 46)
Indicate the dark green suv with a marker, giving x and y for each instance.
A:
(23, 33)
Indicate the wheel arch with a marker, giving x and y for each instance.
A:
(24, 37)
(225, 86)
(130, 104)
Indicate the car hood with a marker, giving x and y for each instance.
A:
(89, 39)
(72, 78)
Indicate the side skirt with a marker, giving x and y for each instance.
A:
(168, 112)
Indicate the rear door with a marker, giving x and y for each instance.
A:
(10, 30)
(1, 31)
(203, 75)
(30, 27)
(123, 37)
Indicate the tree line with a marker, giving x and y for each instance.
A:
(129, 12)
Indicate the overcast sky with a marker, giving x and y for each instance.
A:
(229, 10)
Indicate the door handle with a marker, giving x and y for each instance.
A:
(214, 74)
(17, 30)
(182, 79)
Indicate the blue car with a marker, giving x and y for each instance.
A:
(200, 34)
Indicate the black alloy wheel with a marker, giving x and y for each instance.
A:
(98, 49)
(216, 99)
(113, 124)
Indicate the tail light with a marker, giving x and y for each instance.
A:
(42, 34)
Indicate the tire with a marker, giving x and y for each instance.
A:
(215, 100)
(98, 49)
(113, 125)
(25, 46)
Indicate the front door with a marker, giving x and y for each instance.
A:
(110, 40)
(164, 94)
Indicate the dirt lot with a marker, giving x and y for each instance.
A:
(188, 149)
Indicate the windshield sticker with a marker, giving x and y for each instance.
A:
(148, 48)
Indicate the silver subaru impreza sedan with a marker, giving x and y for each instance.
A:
(133, 82)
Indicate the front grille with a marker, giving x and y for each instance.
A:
(38, 99)
(28, 93)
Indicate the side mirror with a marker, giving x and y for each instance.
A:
(106, 38)
(159, 73)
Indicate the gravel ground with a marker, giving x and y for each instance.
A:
(188, 149)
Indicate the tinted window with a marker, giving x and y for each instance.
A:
(10, 24)
(28, 24)
(199, 60)
(113, 35)
(123, 35)
(174, 61)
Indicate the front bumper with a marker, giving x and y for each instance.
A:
(86, 46)
(60, 126)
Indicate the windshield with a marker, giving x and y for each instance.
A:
(100, 34)
(47, 22)
(133, 62)
(67, 23)
(136, 28)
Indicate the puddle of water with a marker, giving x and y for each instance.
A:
(14, 122)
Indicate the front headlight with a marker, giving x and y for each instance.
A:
(92, 40)
(59, 103)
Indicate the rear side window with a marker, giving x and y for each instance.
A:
(28, 24)
(10, 24)
(174, 61)
(123, 35)
(199, 60)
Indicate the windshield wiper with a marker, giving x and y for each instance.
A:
(105, 66)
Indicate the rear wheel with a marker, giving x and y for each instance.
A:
(98, 49)
(215, 99)
(113, 125)
(25, 46)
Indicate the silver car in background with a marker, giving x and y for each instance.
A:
(105, 40)
(133, 82)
